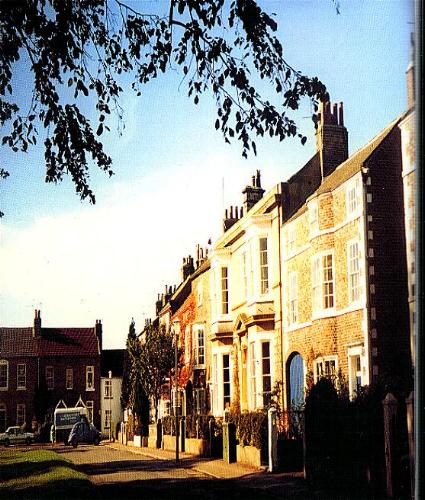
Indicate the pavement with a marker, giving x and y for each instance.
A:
(213, 467)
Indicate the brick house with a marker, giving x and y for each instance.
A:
(42, 366)
(344, 272)
(184, 310)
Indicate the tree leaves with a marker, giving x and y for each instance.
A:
(85, 47)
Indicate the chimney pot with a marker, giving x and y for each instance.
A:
(341, 114)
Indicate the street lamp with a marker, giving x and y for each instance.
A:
(110, 403)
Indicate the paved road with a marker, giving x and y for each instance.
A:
(120, 474)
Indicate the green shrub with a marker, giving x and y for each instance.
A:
(251, 428)
(197, 426)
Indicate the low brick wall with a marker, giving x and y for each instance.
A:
(193, 446)
(139, 441)
(197, 447)
(248, 455)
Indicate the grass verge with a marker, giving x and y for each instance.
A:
(41, 474)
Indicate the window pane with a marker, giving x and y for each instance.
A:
(224, 291)
(264, 269)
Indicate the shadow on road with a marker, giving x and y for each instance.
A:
(206, 489)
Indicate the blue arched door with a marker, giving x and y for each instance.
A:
(295, 374)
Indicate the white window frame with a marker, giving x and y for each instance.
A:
(320, 370)
(199, 347)
(227, 382)
(90, 410)
(264, 265)
(354, 354)
(4, 365)
(50, 377)
(69, 379)
(244, 274)
(20, 414)
(354, 271)
(352, 198)
(293, 298)
(108, 419)
(224, 282)
(321, 283)
(107, 392)
(21, 378)
(90, 370)
(199, 399)
(214, 384)
(252, 374)
(264, 374)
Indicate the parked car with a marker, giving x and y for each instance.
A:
(16, 435)
(84, 432)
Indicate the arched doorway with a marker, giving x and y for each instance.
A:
(295, 380)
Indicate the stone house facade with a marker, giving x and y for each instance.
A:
(344, 279)
(42, 366)
(245, 334)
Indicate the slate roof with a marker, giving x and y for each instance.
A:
(53, 342)
(112, 359)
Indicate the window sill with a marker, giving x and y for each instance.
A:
(21, 388)
(90, 389)
(324, 313)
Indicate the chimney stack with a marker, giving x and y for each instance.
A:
(253, 193)
(36, 331)
(331, 137)
(231, 217)
(187, 268)
(98, 333)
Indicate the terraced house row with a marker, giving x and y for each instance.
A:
(313, 278)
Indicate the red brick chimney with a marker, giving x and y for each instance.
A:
(331, 137)
(36, 330)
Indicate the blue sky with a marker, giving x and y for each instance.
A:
(175, 175)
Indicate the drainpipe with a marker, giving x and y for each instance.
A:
(279, 192)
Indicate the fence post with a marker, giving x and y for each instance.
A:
(411, 438)
(390, 411)
(183, 433)
(159, 433)
(272, 439)
(211, 434)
